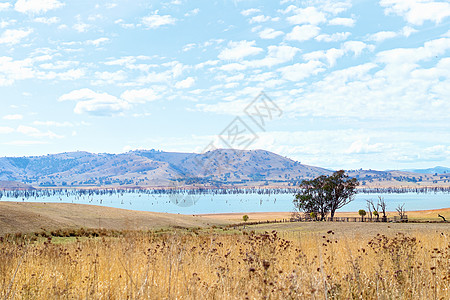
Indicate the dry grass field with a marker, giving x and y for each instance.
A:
(141, 255)
(222, 264)
(420, 215)
(33, 217)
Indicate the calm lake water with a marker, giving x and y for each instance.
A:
(218, 203)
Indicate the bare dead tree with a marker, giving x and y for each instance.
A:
(369, 208)
(382, 207)
(440, 216)
(375, 210)
(401, 211)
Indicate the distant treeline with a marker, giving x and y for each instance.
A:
(159, 191)
(403, 190)
(36, 193)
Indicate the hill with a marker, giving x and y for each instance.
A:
(435, 170)
(34, 217)
(213, 169)
(157, 169)
(14, 185)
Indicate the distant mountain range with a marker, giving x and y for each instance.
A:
(218, 168)
(435, 170)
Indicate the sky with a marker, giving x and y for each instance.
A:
(356, 84)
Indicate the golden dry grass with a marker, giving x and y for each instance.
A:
(209, 265)
(32, 217)
(425, 215)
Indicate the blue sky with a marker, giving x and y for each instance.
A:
(361, 84)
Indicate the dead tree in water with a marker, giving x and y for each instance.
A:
(442, 218)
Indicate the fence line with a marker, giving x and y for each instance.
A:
(335, 219)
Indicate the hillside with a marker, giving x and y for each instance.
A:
(218, 168)
(34, 217)
(14, 185)
(435, 170)
(157, 169)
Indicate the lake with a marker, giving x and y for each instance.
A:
(184, 203)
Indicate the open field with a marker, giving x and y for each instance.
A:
(33, 217)
(424, 215)
(209, 264)
(309, 260)
(358, 230)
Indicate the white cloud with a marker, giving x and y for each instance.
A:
(335, 7)
(413, 55)
(357, 47)
(418, 11)
(398, 92)
(101, 104)
(269, 33)
(27, 130)
(407, 31)
(4, 5)
(6, 130)
(71, 74)
(233, 67)
(349, 22)
(4, 24)
(48, 21)
(36, 6)
(105, 77)
(193, 12)
(303, 33)
(300, 71)
(36, 133)
(12, 70)
(250, 11)
(188, 47)
(309, 15)
(335, 37)
(238, 77)
(239, 50)
(330, 55)
(97, 42)
(81, 27)
(382, 35)
(14, 36)
(261, 19)
(206, 63)
(156, 21)
(13, 117)
(275, 55)
(140, 96)
(53, 124)
(185, 84)
(363, 146)
(124, 25)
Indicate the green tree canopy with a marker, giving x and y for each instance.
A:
(326, 194)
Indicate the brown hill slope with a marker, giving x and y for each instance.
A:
(218, 168)
(14, 185)
(150, 168)
(34, 217)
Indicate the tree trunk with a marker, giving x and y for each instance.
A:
(332, 215)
